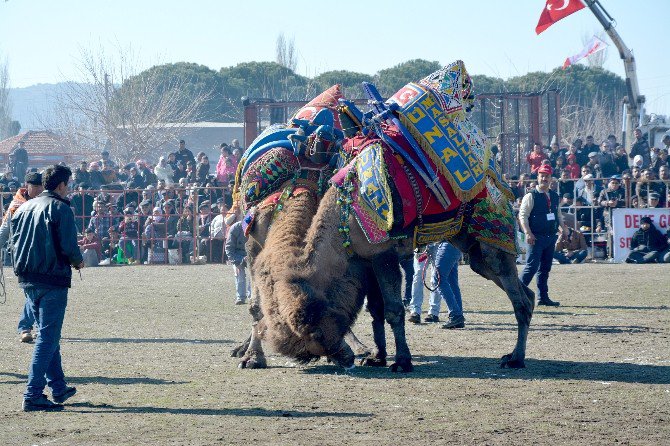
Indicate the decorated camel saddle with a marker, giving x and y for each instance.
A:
(419, 167)
(293, 158)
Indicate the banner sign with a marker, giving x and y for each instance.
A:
(625, 221)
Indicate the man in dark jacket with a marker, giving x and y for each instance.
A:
(640, 147)
(647, 243)
(44, 244)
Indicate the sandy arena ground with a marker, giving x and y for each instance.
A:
(148, 349)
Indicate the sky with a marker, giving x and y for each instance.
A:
(42, 40)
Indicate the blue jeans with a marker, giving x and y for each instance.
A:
(540, 257)
(47, 306)
(242, 285)
(577, 257)
(416, 301)
(27, 320)
(446, 264)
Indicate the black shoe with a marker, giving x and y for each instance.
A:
(414, 318)
(548, 302)
(41, 403)
(62, 397)
(432, 318)
(456, 322)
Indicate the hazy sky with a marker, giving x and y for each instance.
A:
(43, 39)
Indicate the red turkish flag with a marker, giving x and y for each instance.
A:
(556, 10)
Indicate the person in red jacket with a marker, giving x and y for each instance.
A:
(573, 167)
(535, 159)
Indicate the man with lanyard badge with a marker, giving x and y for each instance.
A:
(540, 217)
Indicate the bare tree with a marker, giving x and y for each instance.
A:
(598, 119)
(286, 55)
(5, 105)
(128, 112)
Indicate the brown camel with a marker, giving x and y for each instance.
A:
(251, 350)
(314, 289)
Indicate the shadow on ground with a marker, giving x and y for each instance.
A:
(429, 367)
(148, 341)
(241, 412)
(116, 381)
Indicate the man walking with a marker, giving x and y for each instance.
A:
(540, 218)
(44, 241)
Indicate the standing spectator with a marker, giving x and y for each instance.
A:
(184, 155)
(184, 235)
(590, 146)
(212, 246)
(620, 159)
(640, 147)
(566, 184)
(571, 247)
(535, 159)
(20, 160)
(237, 254)
(445, 277)
(225, 167)
(135, 180)
(44, 240)
(661, 160)
(202, 171)
(107, 160)
(164, 171)
(81, 175)
(108, 173)
(130, 233)
(579, 151)
(647, 243)
(647, 185)
(593, 165)
(611, 198)
(540, 218)
(96, 179)
(32, 189)
(606, 161)
(82, 206)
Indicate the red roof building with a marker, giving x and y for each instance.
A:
(44, 148)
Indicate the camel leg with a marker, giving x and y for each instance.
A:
(500, 267)
(356, 345)
(377, 357)
(387, 272)
(254, 358)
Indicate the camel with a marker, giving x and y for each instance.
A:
(312, 287)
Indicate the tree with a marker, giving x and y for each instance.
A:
(5, 105)
(286, 56)
(393, 79)
(350, 81)
(129, 113)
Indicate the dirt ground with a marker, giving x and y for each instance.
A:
(148, 349)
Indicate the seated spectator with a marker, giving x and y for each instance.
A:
(108, 173)
(646, 185)
(164, 171)
(96, 180)
(212, 246)
(135, 180)
(573, 167)
(611, 198)
(81, 174)
(665, 254)
(102, 221)
(155, 237)
(654, 200)
(571, 247)
(111, 247)
(129, 230)
(535, 159)
(565, 183)
(647, 243)
(91, 249)
(184, 235)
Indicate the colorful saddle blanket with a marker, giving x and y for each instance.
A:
(277, 154)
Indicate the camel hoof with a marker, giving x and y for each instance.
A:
(253, 362)
(507, 362)
(240, 350)
(371, 361)
(404, 367)
(363, 351)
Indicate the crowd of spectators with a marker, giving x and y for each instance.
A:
(143, 213)
(592, 179)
